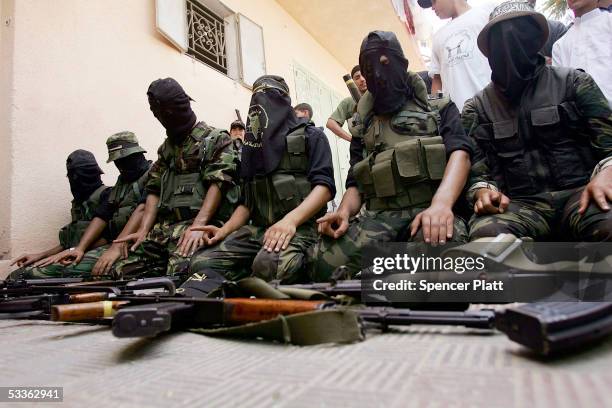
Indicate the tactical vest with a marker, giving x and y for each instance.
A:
(535, 148)
(405, 156)
(272, 196)
(125, 197)
(182, 194)
(81, 214)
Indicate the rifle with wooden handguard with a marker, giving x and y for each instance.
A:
(19, 299)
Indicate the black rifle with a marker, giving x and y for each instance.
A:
(546, 328)
(35, 298)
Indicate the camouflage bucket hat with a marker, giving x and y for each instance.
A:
(122, 145)
(509, 10)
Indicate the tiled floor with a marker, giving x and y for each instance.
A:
(417, 367)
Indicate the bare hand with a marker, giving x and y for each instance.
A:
(277, 237)
(437, 224)
(137, 238)
(189, 242)
(333, 224)
(212, 234)
(108, 259)
(490, 202)
(599, 190)
(66, 257)
(26, 259)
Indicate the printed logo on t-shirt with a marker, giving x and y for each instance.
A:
(459, 47)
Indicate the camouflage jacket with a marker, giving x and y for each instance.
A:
(551, 142)
(207, 151)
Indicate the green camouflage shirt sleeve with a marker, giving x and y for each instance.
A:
(479, 173)
(593, 106)
(220, 164)
(344, 111)
(153, 185)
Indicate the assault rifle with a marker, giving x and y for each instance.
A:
(35, 298)
(545, 327)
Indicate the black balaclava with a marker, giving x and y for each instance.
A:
(387, 82)
(132, 167)
(83, 174)
(171, 106)
(271, 118)
(513, 55)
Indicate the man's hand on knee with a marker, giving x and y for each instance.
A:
(490, 202)
(599, 190)
(436, 222)
(279, 235)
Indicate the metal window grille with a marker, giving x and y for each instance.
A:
(206, 36)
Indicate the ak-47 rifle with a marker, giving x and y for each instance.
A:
(35, 298)
(545, 327)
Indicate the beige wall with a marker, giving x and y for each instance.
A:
(80, 73)
(6, 122)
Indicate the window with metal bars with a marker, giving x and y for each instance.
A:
(206, 36)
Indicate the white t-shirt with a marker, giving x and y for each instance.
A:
(464, 70)
(588, 45)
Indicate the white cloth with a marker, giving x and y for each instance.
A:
(464, 70)
(588, 45)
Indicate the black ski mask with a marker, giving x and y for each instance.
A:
(132, 167)
(83, 174)
(513, 55)
(384, 67)
(271, 118)
(171, 106)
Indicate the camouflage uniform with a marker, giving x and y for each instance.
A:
(268, 199)
(388, 213)
(123, 199)
(69, 235)
(180, 177)
(542, 156)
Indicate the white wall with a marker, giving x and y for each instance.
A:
(80, 73)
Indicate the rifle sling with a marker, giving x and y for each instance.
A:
(302, 329)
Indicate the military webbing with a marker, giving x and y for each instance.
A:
(317, 327)
(302, 329)
(261, 289)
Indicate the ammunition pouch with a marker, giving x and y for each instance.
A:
(182, 194)
(404, 176)
(272, 196)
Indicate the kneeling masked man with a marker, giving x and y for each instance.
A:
(399, 165)
(288, 178)
(543, 136)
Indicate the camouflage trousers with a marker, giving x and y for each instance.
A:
(546, 216)
(241, 254)
(81, 270)
(157, 255)
(371, 228)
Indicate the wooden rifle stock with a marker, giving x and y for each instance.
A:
(85, 311)
(244, 310)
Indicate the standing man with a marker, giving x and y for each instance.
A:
(346, 108)
(544, 139)
(398, 167)
(588, 44)
(88, 192)
(303, 111)
(288, 178)
(192, 184)
(458, 68)
(110, 217)
(237, 135)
